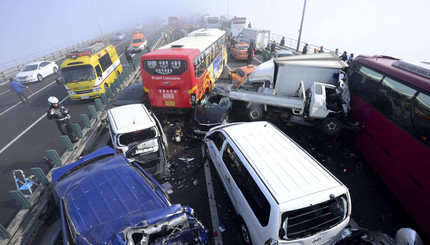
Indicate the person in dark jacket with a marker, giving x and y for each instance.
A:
(61, 117)
(16, 87)
(273, 47)
(250, 52)
(128, 56)
(305, 49)
(344, 56)
(282, 42)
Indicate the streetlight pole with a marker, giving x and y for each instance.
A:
(228, 6)
(301, 27)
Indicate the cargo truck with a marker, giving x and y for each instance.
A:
(258, 36)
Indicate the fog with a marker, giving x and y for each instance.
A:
(395, 27)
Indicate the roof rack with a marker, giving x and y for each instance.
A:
(418, 68)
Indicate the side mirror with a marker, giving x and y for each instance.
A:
(104, 121)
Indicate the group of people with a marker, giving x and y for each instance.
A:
(344, 56)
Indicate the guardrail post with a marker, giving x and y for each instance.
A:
(54, 157)
(93, 111)
(85, 120)
(40, 175)
(104, 98)
(99, 104)
(21, 199)
(77, 130)
(109, 92)
(66, 142)
(4, 233)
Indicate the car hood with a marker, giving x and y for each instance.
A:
(25, 73)
(210, 115)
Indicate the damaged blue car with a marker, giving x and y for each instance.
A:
(105, 199)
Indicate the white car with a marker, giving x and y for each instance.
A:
(119, 36)
(36, 71)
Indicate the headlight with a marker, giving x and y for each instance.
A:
(97, 89)
(193, 98)
(71, 92)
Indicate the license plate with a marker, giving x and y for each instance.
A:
(85, 96)
(170, 103)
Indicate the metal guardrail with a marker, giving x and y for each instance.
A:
(292, 44)
(11, 68)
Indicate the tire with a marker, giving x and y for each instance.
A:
(39, 77)
(255, 114)
(244, 232)
(331, 126)
(55, 70)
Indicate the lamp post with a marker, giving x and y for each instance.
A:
(301, 27)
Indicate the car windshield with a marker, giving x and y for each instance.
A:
(78, 73)
(137, 136)
(138, 40)
(30, 68)
(243, 47)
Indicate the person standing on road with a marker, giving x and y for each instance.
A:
(250, 52)
(350, 58)
(344, 56)
(305, 49)
(16, 87)
(273, 47)
(321, 49)
(61, 117)
(282, 42)
(128, 56)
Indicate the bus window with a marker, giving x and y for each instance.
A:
(421, 117)
(105, 62)
(399, 97)
(368, 87)
(99, 71)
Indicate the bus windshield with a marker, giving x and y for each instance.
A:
(78, 73)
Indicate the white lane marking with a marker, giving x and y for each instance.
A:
(25, 131)
(10, 108)
(5, 92)
(257, 60)
(212, 202)
(228, 67)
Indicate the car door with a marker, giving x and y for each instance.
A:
(44, 66)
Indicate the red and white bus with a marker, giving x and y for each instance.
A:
(391, 100)
(232, 26)
(177, 75)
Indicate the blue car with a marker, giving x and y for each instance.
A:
(105, 199)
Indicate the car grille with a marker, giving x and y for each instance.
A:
(84, 91)
(314, 219)
(23, 77)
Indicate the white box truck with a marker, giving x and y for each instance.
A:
(304, 89)
(258, 36)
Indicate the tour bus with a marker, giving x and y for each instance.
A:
(211, 22)
(233, 26)
(88, 72)
(176, 76)
(391, 100)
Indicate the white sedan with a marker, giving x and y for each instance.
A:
(36, 71)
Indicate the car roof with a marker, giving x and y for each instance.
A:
(109, 195)
(36, 63)
(130, 118)
(282, 165)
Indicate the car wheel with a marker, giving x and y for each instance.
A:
(39, 77)
(55, 70)
(331, 126)
(245, 232)
(255, 114)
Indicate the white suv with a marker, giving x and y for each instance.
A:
(281, 194)
(137, 133)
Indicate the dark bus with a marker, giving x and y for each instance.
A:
(391, 100)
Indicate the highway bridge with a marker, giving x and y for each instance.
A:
(26, 134)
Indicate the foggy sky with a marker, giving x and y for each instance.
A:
(390, 27)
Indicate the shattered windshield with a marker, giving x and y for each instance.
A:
(137, 136)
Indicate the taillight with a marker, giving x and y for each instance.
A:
(158, 162)
(119, 151)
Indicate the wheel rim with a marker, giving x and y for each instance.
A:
(255, 114)
(55, 70)
(331, 126)
(245, 234)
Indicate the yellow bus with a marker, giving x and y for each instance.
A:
(87, 73)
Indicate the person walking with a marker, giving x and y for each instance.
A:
(129, 57)
(16, 87)
(282, 43)
(61, 117)
(250, 53)
(305, 49)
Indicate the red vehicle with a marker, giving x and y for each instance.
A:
(178, 74)
(391, 100)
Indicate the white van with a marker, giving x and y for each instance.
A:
(280, 192)
(137, 134)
